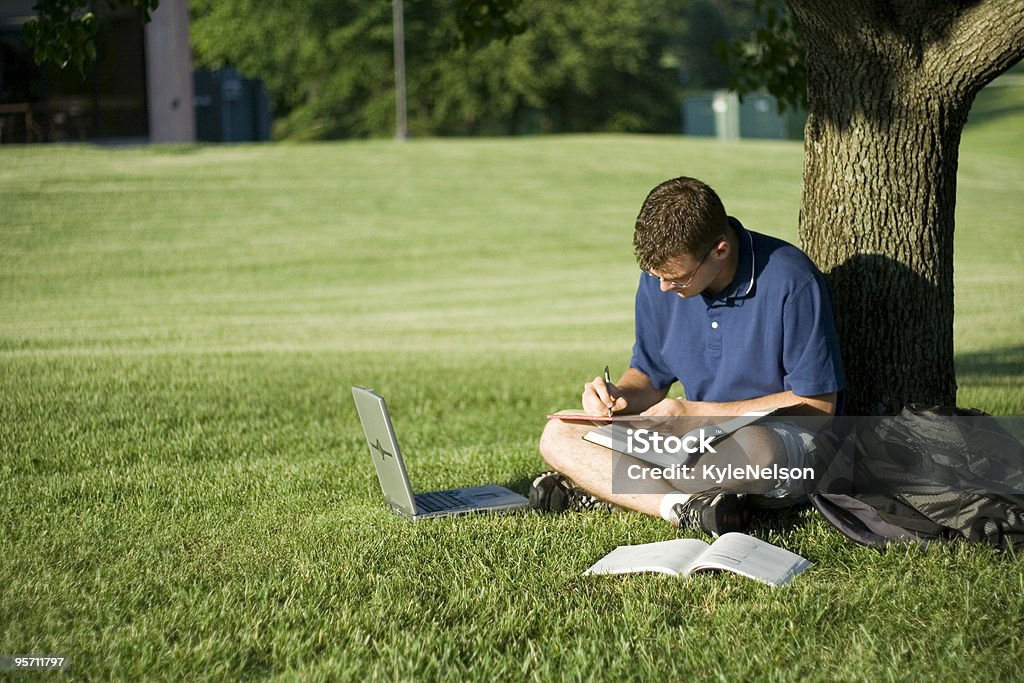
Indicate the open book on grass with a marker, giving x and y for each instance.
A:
(737, 553)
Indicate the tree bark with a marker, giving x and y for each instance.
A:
(889, 89)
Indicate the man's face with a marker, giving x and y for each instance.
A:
(688, 275)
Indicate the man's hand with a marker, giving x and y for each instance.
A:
(669, 407)
(823, 404)
(664, 416)
(599, 397)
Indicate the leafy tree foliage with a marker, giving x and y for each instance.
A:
(62, 32)
(708, 30)
(326, 64)
(481, 21)
(590, 65)
(473, 66)
(575, 65)
(769, 57)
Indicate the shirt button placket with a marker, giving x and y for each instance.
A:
(714, 333)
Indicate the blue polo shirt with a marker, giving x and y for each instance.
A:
(770, 330)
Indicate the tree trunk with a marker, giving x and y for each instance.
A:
(889, 90)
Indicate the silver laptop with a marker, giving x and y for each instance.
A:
(394, 482)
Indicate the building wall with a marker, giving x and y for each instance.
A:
(169, 74)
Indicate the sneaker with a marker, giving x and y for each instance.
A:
(554, 492)
(714, 512)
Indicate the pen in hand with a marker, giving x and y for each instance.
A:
(607, 382)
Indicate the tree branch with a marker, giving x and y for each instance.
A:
(986, 38)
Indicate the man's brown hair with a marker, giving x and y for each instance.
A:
(679, 216)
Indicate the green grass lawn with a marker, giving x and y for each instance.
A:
(184, 488)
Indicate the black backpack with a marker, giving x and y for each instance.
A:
(929, 473)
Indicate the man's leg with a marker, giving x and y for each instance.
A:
(754, 445)
(590, 467)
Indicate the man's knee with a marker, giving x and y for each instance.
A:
(553, 443)
(757, 445)
(754, 445)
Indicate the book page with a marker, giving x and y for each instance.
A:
(605, 436)
(751, 557)
(665, 557)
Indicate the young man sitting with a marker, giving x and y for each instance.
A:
(744, 322)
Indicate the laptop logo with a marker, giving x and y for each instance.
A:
(381, 451)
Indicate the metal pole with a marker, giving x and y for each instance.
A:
(401, 120)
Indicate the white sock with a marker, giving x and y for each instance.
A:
(670, 501)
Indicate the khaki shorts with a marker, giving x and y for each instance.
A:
(799, 443)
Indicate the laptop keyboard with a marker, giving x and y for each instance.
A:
(436, 501)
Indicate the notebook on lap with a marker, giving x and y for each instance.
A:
(394, 480)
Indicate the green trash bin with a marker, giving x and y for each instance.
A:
(229, 107)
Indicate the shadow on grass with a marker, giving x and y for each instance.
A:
(522, 484)
(780, 520)
(991, 363)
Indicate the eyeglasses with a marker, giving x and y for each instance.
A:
(675, 284)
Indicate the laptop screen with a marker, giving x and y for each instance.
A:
(380, 437)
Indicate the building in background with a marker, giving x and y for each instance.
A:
(139, 88)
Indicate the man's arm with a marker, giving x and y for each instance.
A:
(633, 393)
(822, 404)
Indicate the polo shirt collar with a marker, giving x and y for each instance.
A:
(742, 285)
